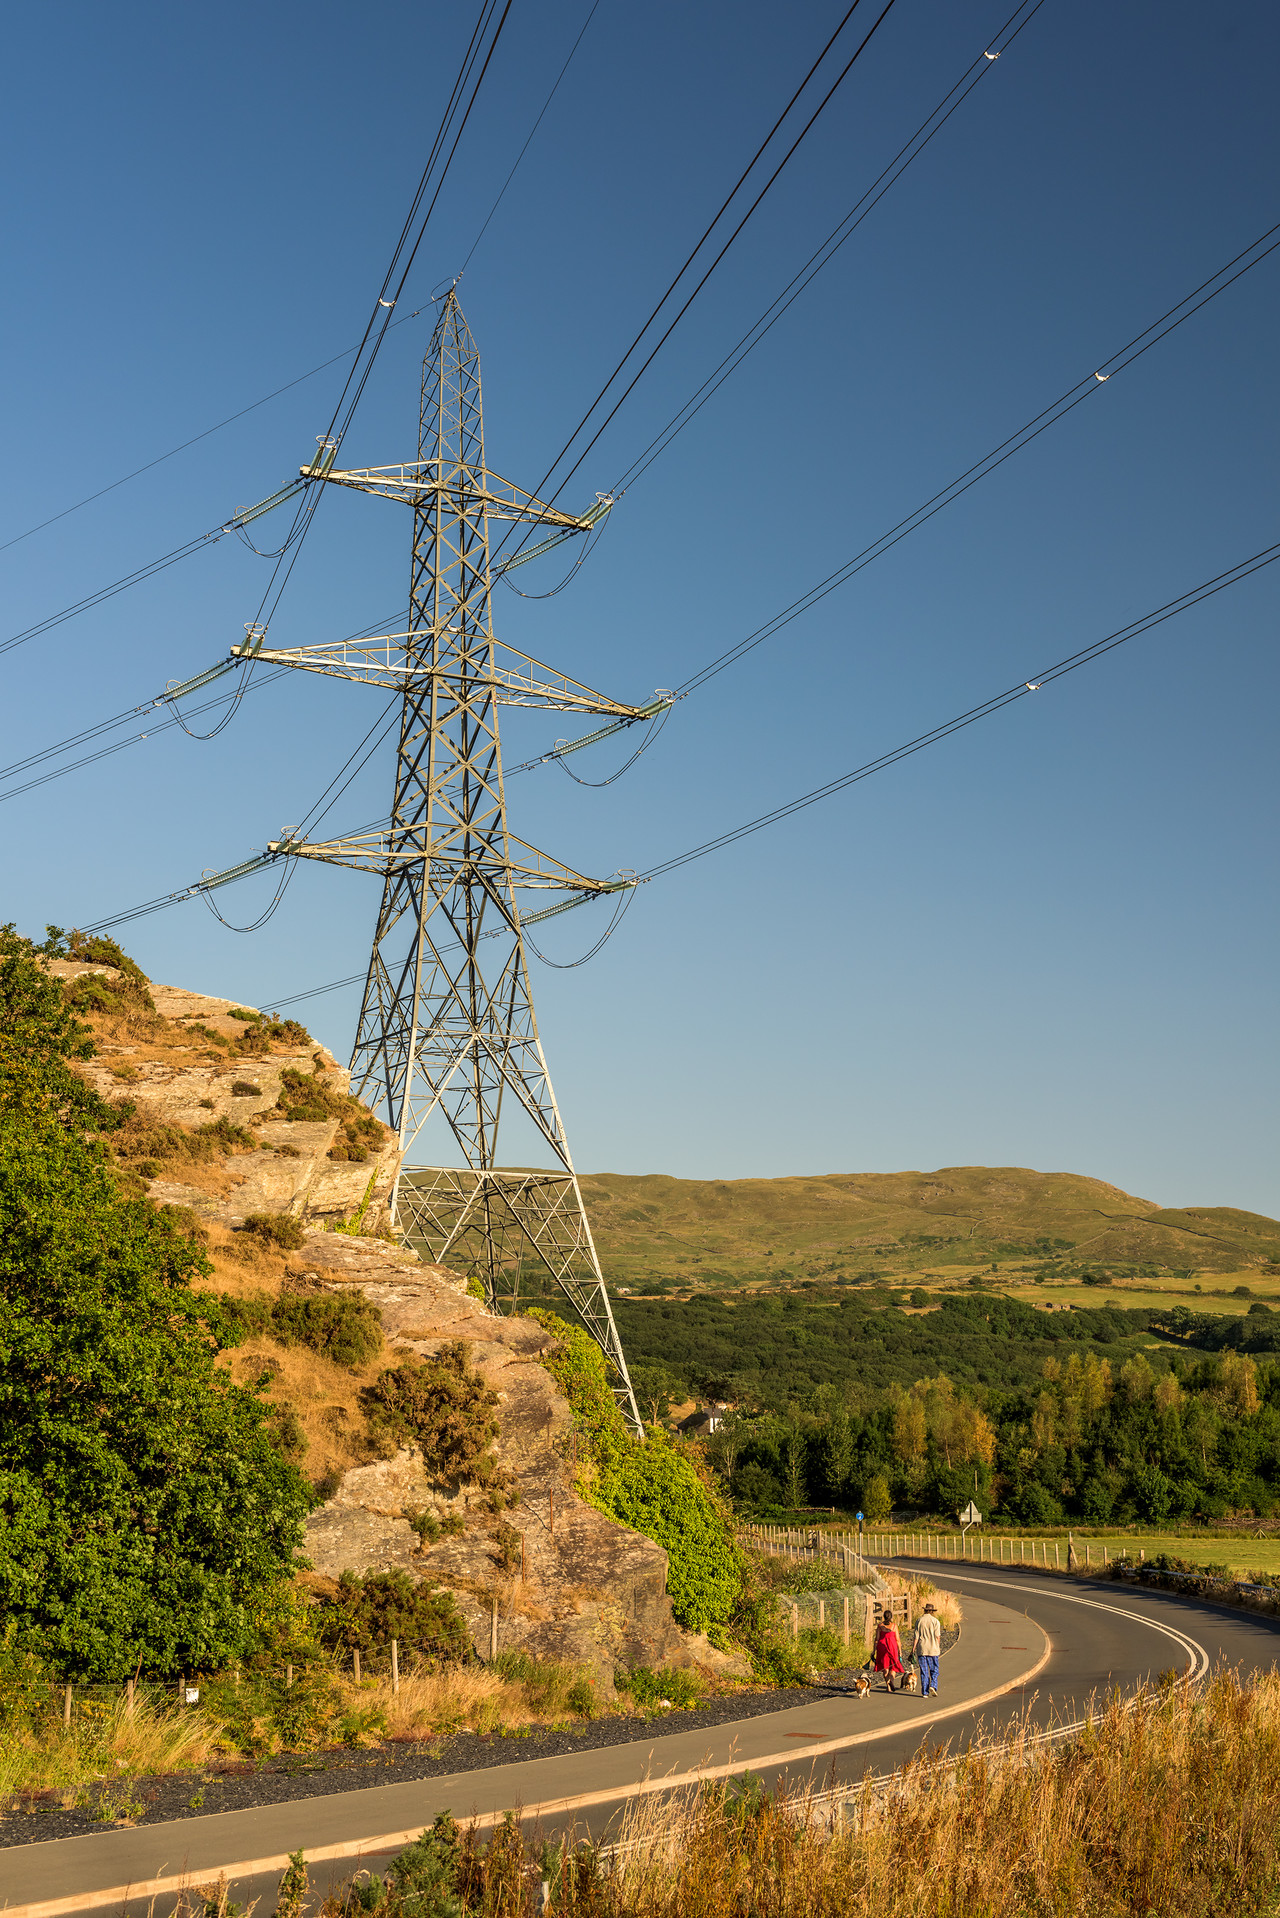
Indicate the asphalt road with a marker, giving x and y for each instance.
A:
(1097, 1638)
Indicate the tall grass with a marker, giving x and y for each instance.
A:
(91, 1760)
(1168, 1805)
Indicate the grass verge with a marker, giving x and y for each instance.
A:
(1169, 1803)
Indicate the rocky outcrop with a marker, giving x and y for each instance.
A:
(177, 1078)
(562, 1580)
(547, 1573)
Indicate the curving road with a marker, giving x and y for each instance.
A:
(1046, 1647)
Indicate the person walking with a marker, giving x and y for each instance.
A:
(887, 1654)
(928, 1646)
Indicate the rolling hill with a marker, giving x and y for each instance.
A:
(689, 1232)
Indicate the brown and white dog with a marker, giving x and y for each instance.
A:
(861, 1685)
(910, 1680)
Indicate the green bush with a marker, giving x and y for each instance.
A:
(654, 1487)
(444, 1406)
(145, 1512)
(424, 1881)
(367, 1613)
(342, 1328)
(276, 1228)
(648, 1685)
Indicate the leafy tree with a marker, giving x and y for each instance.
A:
(145, 1515)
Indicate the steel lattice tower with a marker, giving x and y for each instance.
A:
(447, 1025)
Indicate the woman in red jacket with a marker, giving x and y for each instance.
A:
(887, 1655)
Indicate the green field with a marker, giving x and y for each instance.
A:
(1241, 1552)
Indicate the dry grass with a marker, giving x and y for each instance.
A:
(1168, 1806)
(93, 1760)
(946, 1604)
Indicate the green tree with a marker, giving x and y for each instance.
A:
(145, 1514)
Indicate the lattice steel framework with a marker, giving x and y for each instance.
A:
(447, 1024)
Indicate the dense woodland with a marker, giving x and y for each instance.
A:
(1101, 1414)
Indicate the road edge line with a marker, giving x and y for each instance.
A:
(363, 1847)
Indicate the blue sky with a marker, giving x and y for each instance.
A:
(1048, 942)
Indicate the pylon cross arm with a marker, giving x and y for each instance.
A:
(424, 482)
(390, 851)
(396, 660)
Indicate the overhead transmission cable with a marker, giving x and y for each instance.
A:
(529, 137)
(1043, 676)
(1226, 276)
(357, 377)
(702, 241)
(402, 259)
(324, 365)
(844, 229)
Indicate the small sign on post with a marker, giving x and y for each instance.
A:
(970, 1516)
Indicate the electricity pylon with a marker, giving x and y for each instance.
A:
(447, 1025)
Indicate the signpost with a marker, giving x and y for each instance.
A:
(970, 1516)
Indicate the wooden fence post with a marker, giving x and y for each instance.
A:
(795, 1631)
(355, 1658)
(128, 1696)
(288, 1678)
(395, 1666)
(66, 1705)
(1056, 1560)
(846, 1619)
(822, 1614)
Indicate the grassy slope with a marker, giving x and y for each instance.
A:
(699, 1231)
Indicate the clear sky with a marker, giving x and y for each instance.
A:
(1051, 941)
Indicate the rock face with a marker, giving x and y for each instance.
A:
(573, 1584)
(180, 1084)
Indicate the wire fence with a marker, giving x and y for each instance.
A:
(88, 1700)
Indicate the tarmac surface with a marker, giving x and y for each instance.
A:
(1031, 1644)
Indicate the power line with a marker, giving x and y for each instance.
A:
(844, 229)
(529, 138)
(1226, 276)
(362, 365)
(1092, 382)
(376, 328)
(1043, 676)
(324, 365)
(702, 241)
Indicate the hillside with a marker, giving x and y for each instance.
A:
(435, 1439)
(926, 1225)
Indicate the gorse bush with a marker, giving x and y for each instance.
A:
(310, 1098)
(652, 1687)
(441, 1404)
(656, 1488)
(276, 1228)
(344, 1329)
(366, 1613)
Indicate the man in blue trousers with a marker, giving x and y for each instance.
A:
(928, 1645)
